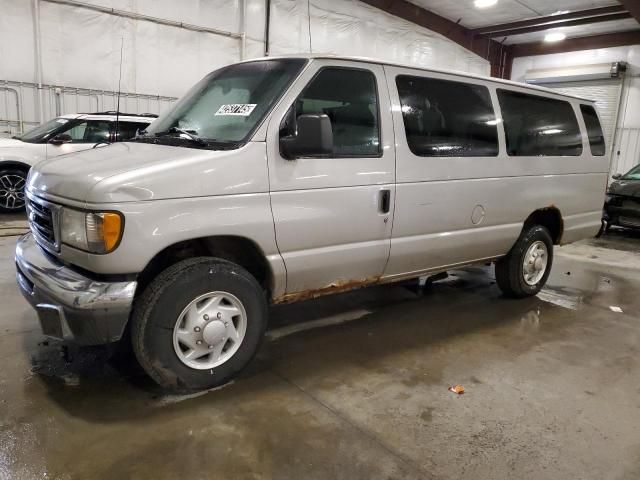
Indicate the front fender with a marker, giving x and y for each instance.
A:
(150, 227)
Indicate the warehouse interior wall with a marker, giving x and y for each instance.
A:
(625, 151)
(58, 43)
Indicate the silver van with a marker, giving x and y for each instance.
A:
(282, 179)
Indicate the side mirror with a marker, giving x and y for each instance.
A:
(617, 176)
(61, 138)
(314, 137)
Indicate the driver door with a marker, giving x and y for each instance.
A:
(333, 213)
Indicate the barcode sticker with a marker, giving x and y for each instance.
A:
(241, 109)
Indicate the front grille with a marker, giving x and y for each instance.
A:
(42, 221)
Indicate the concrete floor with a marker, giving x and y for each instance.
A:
(552, 388)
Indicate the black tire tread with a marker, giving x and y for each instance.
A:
(508, 268)
(144, 304)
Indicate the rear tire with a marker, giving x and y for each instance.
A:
(198, 324)
(525, 269)
(12, 183)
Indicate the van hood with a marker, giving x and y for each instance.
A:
(130, 172)
(628, 188)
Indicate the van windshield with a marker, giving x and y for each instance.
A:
(226, 106)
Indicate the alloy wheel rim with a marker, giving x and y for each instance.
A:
(535, 262)
(209, 330)
(12, 191)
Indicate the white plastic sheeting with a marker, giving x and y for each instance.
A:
(81, 47)
(351, 27)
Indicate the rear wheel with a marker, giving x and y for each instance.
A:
(198, 324)
(525, 269)
(12, 183)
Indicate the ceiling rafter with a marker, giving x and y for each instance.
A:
(552, 21)
(633, 6)
(501, 56)
(617, 39)
(482, 46)
(568, 23)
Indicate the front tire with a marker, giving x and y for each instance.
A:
(12, 183)
(198, 324)
(525, 269)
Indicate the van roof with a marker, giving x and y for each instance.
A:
(512, 83)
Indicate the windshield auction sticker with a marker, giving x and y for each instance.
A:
(241, 109)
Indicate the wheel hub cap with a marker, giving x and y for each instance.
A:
(535, 262)
(214, 332)
(209, 330)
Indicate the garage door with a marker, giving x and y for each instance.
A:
(606, 94)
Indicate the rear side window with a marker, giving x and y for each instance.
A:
(539, 126)
(443, 118)
(350, 98)
(594, 130)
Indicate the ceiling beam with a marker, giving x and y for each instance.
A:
(482, 46)
(574, 44)
(425, 18)
(633, 6)
(551, 20)
(566, 23)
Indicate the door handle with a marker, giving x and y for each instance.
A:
(384, 203)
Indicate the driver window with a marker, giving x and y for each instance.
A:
(77, 132)
(90, 131)
(350, 99)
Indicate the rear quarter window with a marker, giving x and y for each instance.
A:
(594, 130)
(539, 126)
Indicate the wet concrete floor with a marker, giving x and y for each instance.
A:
(355, 387)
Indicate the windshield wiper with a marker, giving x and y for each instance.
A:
(191, 136)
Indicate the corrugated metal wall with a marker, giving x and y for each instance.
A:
(626, 151)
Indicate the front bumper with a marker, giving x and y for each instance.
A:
(70, 305)
(627, 215)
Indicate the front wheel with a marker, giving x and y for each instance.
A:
(198, 324)
(12, 183)
(525, 269)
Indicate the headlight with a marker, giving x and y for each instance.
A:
(90, 231)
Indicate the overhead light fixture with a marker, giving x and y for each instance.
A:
(554, 37)
(560, 12)
(485, 3)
